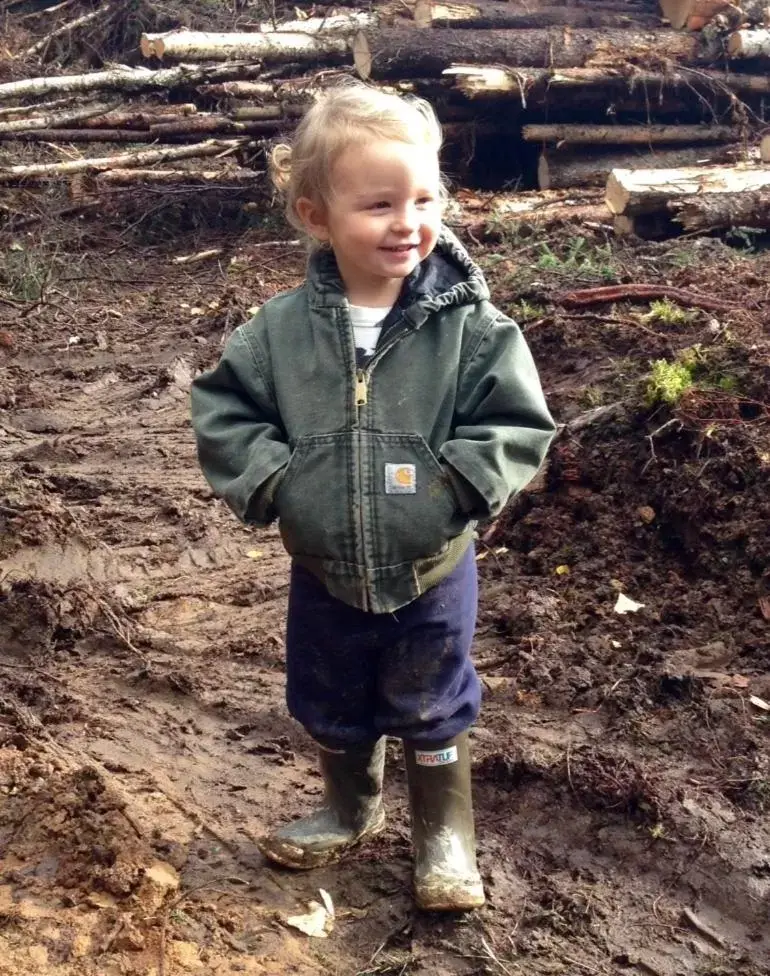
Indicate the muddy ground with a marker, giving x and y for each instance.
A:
(621, 764)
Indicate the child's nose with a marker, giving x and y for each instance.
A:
(406, 219)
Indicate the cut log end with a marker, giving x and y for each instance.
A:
(362, 56)
(151, 46)
(423, 13)
(616, 196)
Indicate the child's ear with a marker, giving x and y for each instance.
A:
(313, 217)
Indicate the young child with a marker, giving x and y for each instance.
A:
(379, 410)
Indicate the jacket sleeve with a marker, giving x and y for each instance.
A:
(242, 446)
(502, 424)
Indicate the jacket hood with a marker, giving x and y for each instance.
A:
(447, 278)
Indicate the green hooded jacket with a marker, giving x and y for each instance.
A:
(377, 471)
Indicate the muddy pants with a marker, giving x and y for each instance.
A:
(353, 676)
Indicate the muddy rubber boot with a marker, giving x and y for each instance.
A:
(446, 878)
(353, 810)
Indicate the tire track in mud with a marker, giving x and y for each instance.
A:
(600, 819)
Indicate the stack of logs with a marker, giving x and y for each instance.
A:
(556, 96)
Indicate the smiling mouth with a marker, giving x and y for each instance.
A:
(400, 249)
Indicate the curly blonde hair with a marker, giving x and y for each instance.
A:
(343, 116)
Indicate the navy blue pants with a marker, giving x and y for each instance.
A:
(353, 676)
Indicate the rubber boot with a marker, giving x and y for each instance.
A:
(353, 810)
(446, 878)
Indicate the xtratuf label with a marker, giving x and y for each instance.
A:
(439, 757)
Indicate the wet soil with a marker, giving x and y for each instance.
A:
(621, 764)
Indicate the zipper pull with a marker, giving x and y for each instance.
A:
(361, 389)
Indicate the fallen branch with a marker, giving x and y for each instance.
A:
(62, 120)
(98, 14)
(128, 79)
(630, 135)
(147, 157)
(641, 292)
(179, 177)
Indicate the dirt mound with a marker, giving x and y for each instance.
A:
(72, 829)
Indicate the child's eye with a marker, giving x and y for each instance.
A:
(424, 201)
(380, 205)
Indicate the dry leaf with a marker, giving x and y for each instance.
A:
(255, 553)
(764, 606)
(759, 703)
(562, 571)
(626, 605)
(319, 921)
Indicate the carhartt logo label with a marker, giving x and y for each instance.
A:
(400, 479)
(439, 757)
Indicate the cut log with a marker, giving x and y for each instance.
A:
(147, 157)
(629, 135)
(275, 48)
(491, 14)
(394, 53)
(35, 110)
(632, 192)
(333, 24)
(55, 120)
(80, 135)
(764, 149)
(490, 216)
(128, 79)
(717, 211)
(749, 44)
(477, 80)
(216, 124)
(572, 168)
(692, 14)
(142, 118)
(179, 177)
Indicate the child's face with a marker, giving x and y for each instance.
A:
(383, 218)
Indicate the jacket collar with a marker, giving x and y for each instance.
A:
(447, 277)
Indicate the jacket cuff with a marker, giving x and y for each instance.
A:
(470, 500)
(262, 510)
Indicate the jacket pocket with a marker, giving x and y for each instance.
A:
(313, 500)
(412, 506)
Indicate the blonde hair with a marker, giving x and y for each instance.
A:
(338, 119)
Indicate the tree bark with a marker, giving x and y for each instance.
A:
(54, 121)
(140, 119)
(127, 79)
(79, 135)
(629, 135)
(178, 177)
(575, 168)
(476, 81)
(147, 157)
(491, 14)
(275, 48)
(334, 24)
(634, 192)
(494, 215)
(764, 149)
(749, 44)
(218, 124)
(424, 54)
(718, 211)
(692, 14)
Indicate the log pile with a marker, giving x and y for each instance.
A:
(533, 93)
